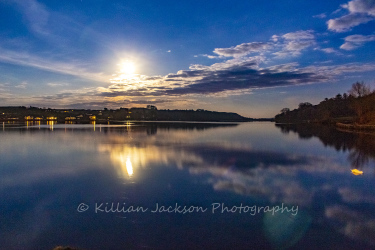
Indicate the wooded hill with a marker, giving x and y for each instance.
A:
(151, 113)
(355, 107)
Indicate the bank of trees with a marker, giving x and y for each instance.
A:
(356, 106)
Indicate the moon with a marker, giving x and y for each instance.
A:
(127, 68)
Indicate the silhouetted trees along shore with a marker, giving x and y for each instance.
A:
(355, 108)
(150, 113)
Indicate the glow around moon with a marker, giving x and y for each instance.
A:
(127, 68)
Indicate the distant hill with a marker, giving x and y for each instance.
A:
(151, 113)
(191, 115)
(357, 107)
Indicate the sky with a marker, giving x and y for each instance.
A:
(249, 57)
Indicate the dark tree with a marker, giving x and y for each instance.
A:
(285, 110)
(304, 105)
(359, 89)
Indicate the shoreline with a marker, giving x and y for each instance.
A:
(355, 126)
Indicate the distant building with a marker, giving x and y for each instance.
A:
(151, 107)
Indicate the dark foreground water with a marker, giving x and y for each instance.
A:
(186, 186)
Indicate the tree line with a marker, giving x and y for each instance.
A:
(355, 106)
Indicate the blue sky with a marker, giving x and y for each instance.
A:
(249, 57)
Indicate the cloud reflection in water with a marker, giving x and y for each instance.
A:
(242, 167)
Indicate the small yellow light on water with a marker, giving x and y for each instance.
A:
(129, 167)
(357, 172)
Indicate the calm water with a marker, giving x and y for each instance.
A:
(185, 186)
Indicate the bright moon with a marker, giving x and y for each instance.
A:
(128, 68)
(129, 167)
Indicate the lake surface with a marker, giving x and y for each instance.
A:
(185, 186)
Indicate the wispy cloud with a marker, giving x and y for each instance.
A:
(21, 86)
(294, 42)
(347, 22)
(321, 16)
(59, 54)
(211, 56)
(351, 223)
(68, 68)
(53, 84)
(289, 44)
(360, 11)
(300, 35)
(4, 84)
(35, 15)
(329, 50)
(242, 49)
(42, 23)
(354, 41)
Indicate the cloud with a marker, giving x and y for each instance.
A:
(242, 49)
(36, 15)
(4, 85)
(42, 23)
(360, 11)
(52, 84)
(65, 42)
(294, 42)
(291, 44)
(355, 196)
(59, 55)
(5, 96)
(21, 86)
(275, 38)
(231, 75)
(57, 96)
(239, 75)
(300, 35)
(66, 68)
(213, 57)
(347, 22)
(329, 50)
(115, 104)
(321, 16)
(353, 224)
(354, 41)
(361, 6)
(233, 166)
(297, 46)
(243, 77)
(336, 70)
